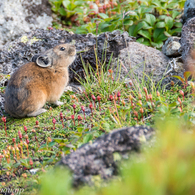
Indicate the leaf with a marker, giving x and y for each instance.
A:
(178, 77)
(158, 35)
(160, 25)
(175, 14)
(146, 25)
(187, 74)
(169, 22)
(178, 24)
(128, 22)
(87, 138)
(150, 19)
(162, 17)
(145, 34)
(143, 41)
(177, 30)
(62, 11)
(158, 44)
(102, 15)
(66, 3)
(167, 34)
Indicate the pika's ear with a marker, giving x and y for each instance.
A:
(43, 61)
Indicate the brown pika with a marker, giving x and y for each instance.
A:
(36, 83)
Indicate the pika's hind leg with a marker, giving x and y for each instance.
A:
(37, 112)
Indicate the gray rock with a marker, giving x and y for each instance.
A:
(139, 60)
(187, 40)
(21, 51)
(171, 47)
(97, 158)
(189, 10)
(20, 16)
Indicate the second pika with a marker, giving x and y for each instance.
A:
(36, 83)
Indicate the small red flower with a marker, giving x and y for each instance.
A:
(93, 97)
(79, 117)
(3, 119)
(111, 98)
(20, 135)
(25, 129)
(98, 98)
(61, 115)
(90, 105)
(83, 108)
(37, 122)
(54, 121)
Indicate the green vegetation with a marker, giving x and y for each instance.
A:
(40, 141)
(152, 22)
(105, 104)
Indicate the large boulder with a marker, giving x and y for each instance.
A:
(19, 16)
(138, 60)
(97, 158)
(187, 41)
(189, 10)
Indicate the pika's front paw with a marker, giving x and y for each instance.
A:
(58, 103)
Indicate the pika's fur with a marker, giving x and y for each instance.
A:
(36, 83)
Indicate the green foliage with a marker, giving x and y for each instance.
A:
(152, 22)
(167, 168)
(109, 102)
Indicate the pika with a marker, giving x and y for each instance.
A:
(36, 83)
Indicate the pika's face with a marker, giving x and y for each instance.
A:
(58, 57)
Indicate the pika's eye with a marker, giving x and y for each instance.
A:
(62, 49)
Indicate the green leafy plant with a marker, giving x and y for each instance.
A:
(152, 22)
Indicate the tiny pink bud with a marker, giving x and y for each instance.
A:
(150, 96)
(179, 100)
(90, 105)
(111, 98)
(30, 162)
(98, 98)
(25, 129)
(27, 141)
(20, 135)
(26, 136)
(83, 108)
(140, 96)
(181, 92)
(158, 94)
(3, 119)
(74, 106)
(72, 116)
(141, 110)
(14, 140)
(110, 71)
(61, 115)
(54, 121)
(119, 94)
(79, 117)
(93, 97)
(135, 113)
(145, 90)
(130, 83)
(37, 122)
